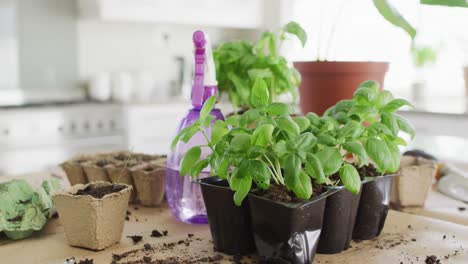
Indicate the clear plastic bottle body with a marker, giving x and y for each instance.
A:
(183, 195)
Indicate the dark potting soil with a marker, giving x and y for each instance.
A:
(136, 238)
(157, 233)
(86, 261)
(279, 193)
(461, 209)
(100, 191)
(432, 260)
(368, 171)
(102, 163)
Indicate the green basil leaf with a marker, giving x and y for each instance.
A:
(286, 124)
(342, 117)
(255, 152)
(405, 126)
(242, 184)
(383, 98)
(379, 153)
(394, 105)
(295, 29)
(262, 135)
(207, 107)
(190, 158)
(314, 168)
(391, 122)
(280, 148)
(313, 118)
(343, 105)
(241, 87)
(395, 152)
(331, 160)
(260, 96)
(358, 150)
(365, 94)
(276, 109)
(352, 129)
(240, 143)
(371, 84)
(191, 130)
(249, 117)
(303, 186)
(305, 141)
(350, 178)
(326, 140)
(379, 128)
(260, 174)
(233, 120)
(219, 165)
(208, 120)
(302, 122)
(198, 167)
(219, 130)
(292, 170)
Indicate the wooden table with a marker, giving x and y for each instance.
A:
(406, 238)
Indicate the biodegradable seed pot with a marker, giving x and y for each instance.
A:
(121, 174)
(74, 171)
(229, 224)
(149, 182)
(93, 215)
(416, 177)
(95, 170)
(338, 222)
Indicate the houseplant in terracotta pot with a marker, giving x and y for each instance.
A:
(271, 157)
(93, 215)
(240, 63)
(326, 82)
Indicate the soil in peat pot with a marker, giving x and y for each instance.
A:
(98, 192)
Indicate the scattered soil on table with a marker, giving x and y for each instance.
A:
(72, 260)
(279, 193)
(432, 260)
(86, 261)
(157, 233)
(99, 191)
(136, 238)
(461, 209)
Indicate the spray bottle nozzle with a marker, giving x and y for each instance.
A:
(204, 80)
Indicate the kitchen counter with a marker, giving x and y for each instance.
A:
(406, 238)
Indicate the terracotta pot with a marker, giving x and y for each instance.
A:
(416, 177)
(74, 172)
(324, 83)
(149, 182)
(91, 222)
(95, 173)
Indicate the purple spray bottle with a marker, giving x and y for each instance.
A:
(184, 196)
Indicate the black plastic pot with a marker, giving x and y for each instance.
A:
(373, 207)
(229, 224)
(287, 232)
(338, 221)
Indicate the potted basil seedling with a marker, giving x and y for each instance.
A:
(271, 157)
(380, 139)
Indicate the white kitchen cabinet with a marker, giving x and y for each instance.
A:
(248, 14)
(151, 127)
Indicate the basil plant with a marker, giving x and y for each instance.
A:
(267, 145)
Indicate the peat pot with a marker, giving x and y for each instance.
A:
(338, 221)
(91, 222)
(149, 182)
(229, 224)
(373, 207)
(287, 232)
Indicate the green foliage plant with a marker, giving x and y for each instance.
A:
(240, 63)
(268, 145)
